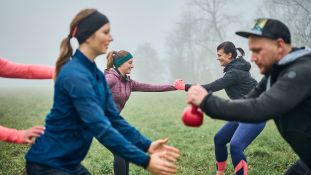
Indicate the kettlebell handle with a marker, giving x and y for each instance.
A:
(194, 108)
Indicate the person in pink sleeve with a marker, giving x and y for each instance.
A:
(9, 69)
(20, 136)
(119, 66)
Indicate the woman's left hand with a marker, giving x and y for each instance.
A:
(158, 146)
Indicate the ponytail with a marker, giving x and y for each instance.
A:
(65, 47)
(241, 51)
(110, 57)
(65, 54)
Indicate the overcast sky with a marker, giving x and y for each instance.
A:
(31, 31)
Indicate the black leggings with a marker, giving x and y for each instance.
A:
(120, 165)
(38, 169)
(299, 168)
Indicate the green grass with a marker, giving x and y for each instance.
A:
(157, 115)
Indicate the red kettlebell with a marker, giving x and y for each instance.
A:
(192, 116)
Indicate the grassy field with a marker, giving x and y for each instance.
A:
(157, 115)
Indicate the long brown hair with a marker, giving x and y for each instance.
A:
(112, 55)
(65, 47)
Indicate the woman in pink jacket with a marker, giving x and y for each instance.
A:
(119, 66)
(13, 70)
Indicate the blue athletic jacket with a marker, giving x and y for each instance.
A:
(84, 108)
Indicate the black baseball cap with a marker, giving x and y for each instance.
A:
(268, 28)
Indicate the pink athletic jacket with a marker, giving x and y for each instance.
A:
(9, 69)
(13, 70)
(121, 88)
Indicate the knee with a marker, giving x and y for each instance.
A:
(118, 160)
(219, 139)
(235, 148)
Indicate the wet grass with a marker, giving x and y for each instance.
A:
(157, 115)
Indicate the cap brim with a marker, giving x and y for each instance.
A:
(247, 34)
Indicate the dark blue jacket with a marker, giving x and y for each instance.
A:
(237, 80)
(84, 108)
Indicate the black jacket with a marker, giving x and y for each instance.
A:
(237, 80)
(283, 95)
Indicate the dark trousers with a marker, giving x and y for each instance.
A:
(120, 165)
(299, 168)
(239, 135)
(37, 169)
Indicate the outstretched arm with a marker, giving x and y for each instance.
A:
(227, 80)
(144, 87)
(10, 69)
(20, 136)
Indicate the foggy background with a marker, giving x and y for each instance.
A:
(169, 38)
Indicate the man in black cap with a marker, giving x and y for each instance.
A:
(283, 94)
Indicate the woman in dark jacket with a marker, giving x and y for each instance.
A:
(119, 66)
(237, 82)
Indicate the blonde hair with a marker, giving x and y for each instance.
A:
(113, 55)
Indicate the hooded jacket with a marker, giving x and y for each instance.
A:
(237, 80)
(122, 87)
(284, 94)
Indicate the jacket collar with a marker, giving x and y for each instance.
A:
(85, 61)
(294, 55)
(123, 77)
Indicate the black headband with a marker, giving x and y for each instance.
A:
(89, 25)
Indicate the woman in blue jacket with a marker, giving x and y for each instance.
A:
(237, 82)
(84, 108)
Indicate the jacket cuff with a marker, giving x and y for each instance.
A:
(146, 162)
(187, 86)
(146, 145)
(203, 102)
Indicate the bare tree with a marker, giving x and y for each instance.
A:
(296, 14)
(181, 48)
(148, 66)
(192, 44)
